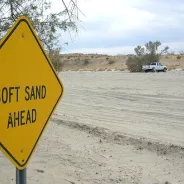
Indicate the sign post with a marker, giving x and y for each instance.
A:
(17, 176)
(30, 90)
(21, 176)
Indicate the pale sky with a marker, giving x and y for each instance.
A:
(117, 26)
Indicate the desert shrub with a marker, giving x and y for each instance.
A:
(135, 63)
(107, 58)
(178, 57)
(86, 61)
(58, 65)
(111, 62)
(55, 58)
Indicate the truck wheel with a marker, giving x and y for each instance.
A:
(165, 69)
(153, 69)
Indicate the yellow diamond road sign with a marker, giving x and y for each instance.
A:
(29, 92)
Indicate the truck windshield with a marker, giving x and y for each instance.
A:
(153, 63)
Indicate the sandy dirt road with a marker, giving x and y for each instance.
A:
(141, 105)
(112, 127)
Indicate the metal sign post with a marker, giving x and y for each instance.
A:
(21, 176)
(17, 176)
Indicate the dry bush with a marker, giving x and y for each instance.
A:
(111, 62)
(86, 61)
(55, 58)
(134, 64)
(178, 57)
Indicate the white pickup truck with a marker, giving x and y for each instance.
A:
(154, 67)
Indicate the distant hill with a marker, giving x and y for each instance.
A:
(99, 62)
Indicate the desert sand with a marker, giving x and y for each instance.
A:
(112, 127)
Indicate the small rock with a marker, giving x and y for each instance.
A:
(167, 182)
(40, 171)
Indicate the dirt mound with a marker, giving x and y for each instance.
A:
(123, 139)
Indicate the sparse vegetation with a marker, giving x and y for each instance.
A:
(86, 61)
(111, 62)
(55, 58)
(76, 62)
(178, 57)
